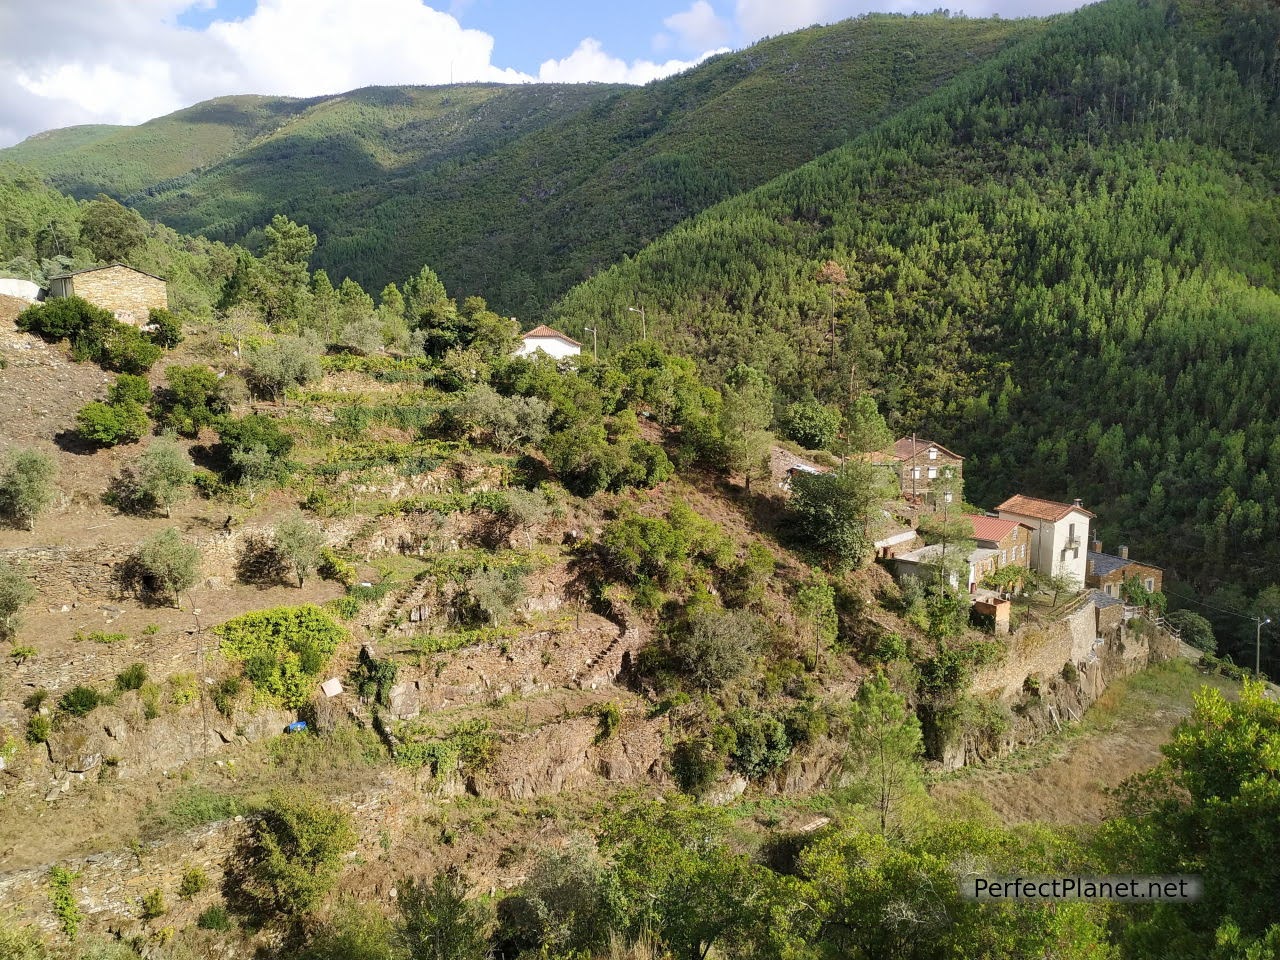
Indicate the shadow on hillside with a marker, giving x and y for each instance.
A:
(69, 441)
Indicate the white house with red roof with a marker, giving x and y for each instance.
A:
(1059, 533)
(550, 341)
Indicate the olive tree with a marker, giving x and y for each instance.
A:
(27, 486)
(164, 474)
(16, 592)
(300, 542)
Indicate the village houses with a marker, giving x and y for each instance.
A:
(1059, 534)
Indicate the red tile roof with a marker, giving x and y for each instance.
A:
(906, 448)
(992, 528)
(543, 331)
(1040, 509)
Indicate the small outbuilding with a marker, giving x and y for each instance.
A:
(550, 341)
(128, 293)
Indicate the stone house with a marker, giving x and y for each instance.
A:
(1011, 538)
(921, 465)
(128, 293)
(1108, 572)
(1059, 532)
(550, 341)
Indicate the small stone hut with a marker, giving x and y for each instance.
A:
(128, 293)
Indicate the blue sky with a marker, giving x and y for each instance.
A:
(126, 61)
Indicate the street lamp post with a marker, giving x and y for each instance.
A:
(1257, 649)
(644, 330)
(595, 346)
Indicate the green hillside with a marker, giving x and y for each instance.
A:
(1065, 265)
(87, 160)
(520, 192)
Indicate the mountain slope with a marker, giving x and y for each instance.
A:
(87, 160)
(1065, 265)
(520, 192)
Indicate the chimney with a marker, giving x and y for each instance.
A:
(1124, 552)
(1097, 546)
(1078, 502)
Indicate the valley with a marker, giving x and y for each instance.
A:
(737, 596)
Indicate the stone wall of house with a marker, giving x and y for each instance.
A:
(130, 295)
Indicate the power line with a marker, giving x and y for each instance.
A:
(1202, 603)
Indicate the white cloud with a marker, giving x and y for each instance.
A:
(699, 27)
(590, 62)
(126, 61)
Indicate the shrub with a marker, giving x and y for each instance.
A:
(711, 647)
(153, 905)
(194, 882)
(38, 729)
(1069, 672)
(283, 649)
(608, 720)
(165, 329)
(214, 918)
(253, 449)
(109, 424)
(1193, 629)
(299, 842)
(27, 486)
(129, 388)
(164, 564)
(79, 701)
(285, 362)
(336, 568)
(696, 765)
(760, 743)
(62, 318)
(63, 900)
(126, 349)
(164, 475)
(131, 677)
(16, 591)
(191, 399)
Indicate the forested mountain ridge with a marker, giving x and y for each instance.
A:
(86, 160)
(520, 192)
(1064, 265)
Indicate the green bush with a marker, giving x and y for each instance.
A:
(193, 806)
(300, 841)
(153, 905)
(62, 318)
(38, 729)
(63, 900)
(165, 329)
(129, 388)
(214, 918)
(608, 720)
(190, 400)
(336, 568)
(283, 649)
(80, 701)
(194, 882)
(108, 424)
(760, 743)
(696, 765)
(131, 677)
(711, 647)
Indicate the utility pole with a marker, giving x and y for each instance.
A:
(644, 330)
(595, 346)
(1257, 650)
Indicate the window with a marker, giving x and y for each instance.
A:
(915, 473)
(1151, 585)
(933, 473)
(1002, 558)
(933, 453)
(946, 497)
(1071, 531)
(1107, 589)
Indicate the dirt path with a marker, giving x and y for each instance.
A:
(1066, 780)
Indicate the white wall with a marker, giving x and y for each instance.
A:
(552, 346)
(1048, 541)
